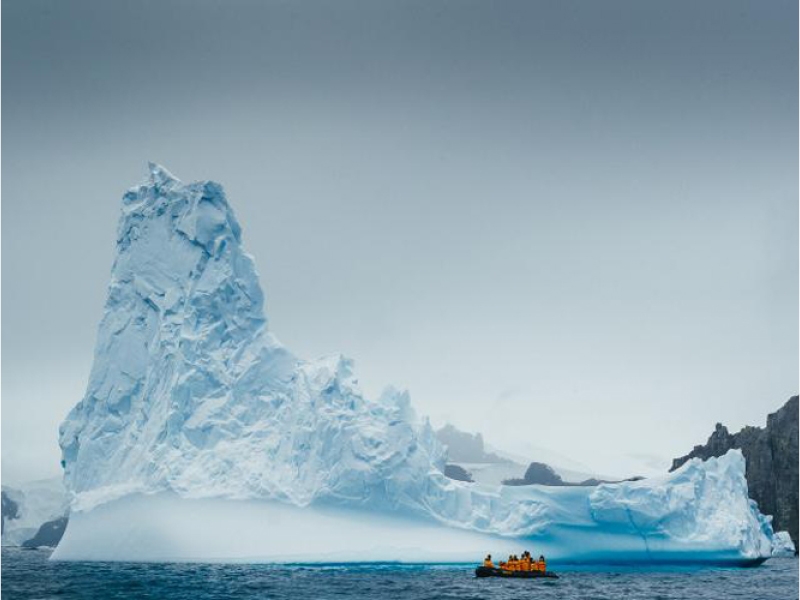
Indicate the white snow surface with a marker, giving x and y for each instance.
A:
(191, 398)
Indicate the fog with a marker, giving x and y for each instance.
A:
(571, 226)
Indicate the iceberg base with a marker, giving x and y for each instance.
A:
(167, 528)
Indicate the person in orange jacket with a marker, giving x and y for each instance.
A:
(487, 562)
(530, 564)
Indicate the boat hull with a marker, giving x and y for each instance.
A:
(490, 572)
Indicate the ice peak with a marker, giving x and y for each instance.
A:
(159, 176)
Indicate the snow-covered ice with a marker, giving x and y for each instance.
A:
(194, 408)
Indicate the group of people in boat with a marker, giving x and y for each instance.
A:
(515, 563)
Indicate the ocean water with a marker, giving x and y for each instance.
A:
(28, 574)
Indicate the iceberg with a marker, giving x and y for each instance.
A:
(201, 437)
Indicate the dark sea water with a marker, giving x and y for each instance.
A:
(28, 574)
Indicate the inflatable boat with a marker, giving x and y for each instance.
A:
(495, 572)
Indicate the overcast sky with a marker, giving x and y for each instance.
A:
(569, 225)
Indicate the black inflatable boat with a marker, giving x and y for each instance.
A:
(489, 572)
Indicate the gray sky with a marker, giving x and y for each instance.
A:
(570, 225)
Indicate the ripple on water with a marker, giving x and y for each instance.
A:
(29, 575)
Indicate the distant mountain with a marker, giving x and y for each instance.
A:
(28, 508)
(771, 455)
(463, 447)
(469, 459)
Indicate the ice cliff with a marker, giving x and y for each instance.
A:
(194, 407)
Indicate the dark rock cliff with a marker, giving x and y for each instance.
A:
(10, 510)
(458, 473)
(49, 534)
(771, 455)
(537, 474)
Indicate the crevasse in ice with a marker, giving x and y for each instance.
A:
(191, 396)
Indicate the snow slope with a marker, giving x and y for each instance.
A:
(191, 398)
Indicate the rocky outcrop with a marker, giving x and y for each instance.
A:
(10, 510)
(538, 473)
(771, 455)
(458, 473)
(49, 534)
(542, 474)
